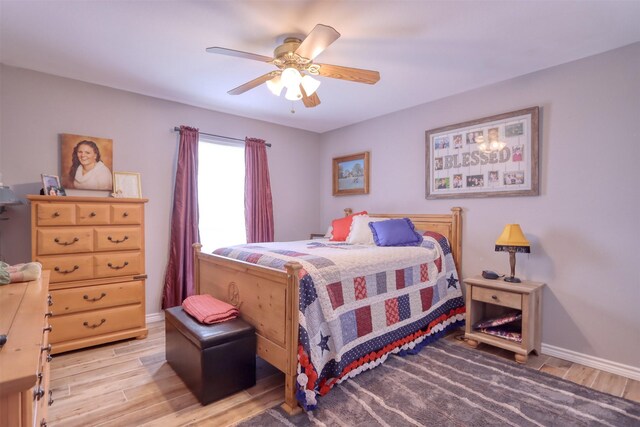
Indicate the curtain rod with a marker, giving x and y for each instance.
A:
(177, 129)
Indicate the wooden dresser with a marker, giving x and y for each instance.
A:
(94, 247)
(24, 359)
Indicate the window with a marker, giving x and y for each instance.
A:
(221, 193)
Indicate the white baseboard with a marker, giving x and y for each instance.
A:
(155, 317)
(627, 371)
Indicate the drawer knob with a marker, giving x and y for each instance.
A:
(48, 314)
(95, 325)
(47, 349)
(38, 393)
(111, 239)
(495, 297)
(94, 299)
(49, 300)
(92, 214)
(56, 214)
(126, 214)
(75, 267)
(51, 398)
(49, 328)
(75, 239)
(118, 267)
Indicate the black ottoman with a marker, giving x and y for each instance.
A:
(215, 360)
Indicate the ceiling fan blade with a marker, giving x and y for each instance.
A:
(239, 54)
(318, 39)
(253, 83)
(309, 101)
(357, 75)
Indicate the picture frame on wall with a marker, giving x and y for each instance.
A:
(86, 162)
(494, 156)
(351, 174)
(51, 185)
(127, 185)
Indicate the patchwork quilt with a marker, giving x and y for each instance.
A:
(360, 303)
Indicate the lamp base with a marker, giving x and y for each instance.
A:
(512, 279)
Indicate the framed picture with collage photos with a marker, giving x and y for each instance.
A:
(491, 157)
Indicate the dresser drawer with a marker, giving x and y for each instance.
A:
(56, 214)
(126, 214)
(65, 268)
(96, 322)
(86, 298)
(117, 238)
(494, 296)
(92, 214)
(118, 264)
(53, 241)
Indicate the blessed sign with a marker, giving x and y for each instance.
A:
(495, 156)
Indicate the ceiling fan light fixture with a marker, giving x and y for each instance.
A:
(275, 85)
(293, 93)
(291, 78)
(310, 84)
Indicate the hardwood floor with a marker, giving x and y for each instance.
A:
(129, 384)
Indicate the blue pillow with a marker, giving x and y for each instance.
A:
(395, 232)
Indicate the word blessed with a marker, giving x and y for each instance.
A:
(475, 158)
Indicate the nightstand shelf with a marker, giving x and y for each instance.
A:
(490, 298)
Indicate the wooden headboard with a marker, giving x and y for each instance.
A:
(449, 225)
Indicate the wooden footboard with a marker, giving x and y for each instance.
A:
(268, 298)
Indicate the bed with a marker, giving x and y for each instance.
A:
(269, 297)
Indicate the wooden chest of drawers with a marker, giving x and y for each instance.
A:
(94, 247)
(24, 359)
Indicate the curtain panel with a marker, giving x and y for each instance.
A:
(258, 203)
(178, 281)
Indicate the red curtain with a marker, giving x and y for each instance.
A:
(178, 280)
(258, 204)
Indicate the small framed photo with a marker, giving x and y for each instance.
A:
(351, 174)
(51, 185)
(127, 184)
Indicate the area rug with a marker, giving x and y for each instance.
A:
(449, 385)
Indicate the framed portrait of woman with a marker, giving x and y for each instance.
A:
(86, 162)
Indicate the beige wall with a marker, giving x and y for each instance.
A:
(584, 226)
(36, 107)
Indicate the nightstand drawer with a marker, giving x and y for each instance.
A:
(494, 296)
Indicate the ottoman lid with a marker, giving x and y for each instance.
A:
(205, 336)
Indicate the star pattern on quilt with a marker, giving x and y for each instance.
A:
(324, 342)
(452, 282)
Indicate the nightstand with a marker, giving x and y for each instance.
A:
(487, 299)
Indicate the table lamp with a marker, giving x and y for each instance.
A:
(512, 240)
(7, 198)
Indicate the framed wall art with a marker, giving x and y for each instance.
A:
(86, 162)
(490, 157)
(351, 174)
(127, 184)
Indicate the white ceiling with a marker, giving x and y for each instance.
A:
(424, 50)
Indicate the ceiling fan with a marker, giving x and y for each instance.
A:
(294, 59)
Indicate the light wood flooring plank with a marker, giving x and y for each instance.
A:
(632, 391)
(553, 370)
(155, 411)
(607, 382)
(581, 374)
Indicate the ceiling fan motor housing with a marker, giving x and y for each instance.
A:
(285, 57)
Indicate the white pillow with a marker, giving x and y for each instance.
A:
(329, 233)
(360, 233)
